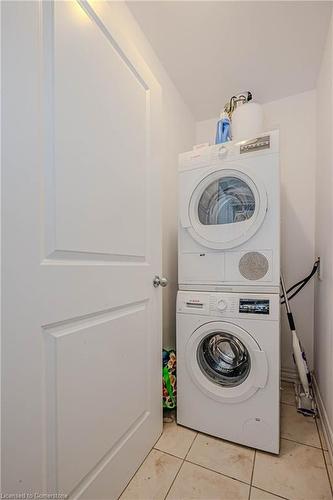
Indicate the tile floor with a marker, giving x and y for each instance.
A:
(188, 465)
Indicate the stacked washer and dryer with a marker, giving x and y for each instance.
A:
(228, 327)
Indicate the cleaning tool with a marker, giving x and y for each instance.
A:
(304, 395)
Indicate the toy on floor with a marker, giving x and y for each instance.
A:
(169, 379)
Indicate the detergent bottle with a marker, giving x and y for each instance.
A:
(223, 132)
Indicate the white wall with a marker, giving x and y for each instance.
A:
(324, 237)
(180, 130)
(179, 136)
(295, 118)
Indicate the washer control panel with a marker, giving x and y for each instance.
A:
(229, 305)
(222, 305)
(254, 306)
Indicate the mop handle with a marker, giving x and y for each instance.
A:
(289, 313)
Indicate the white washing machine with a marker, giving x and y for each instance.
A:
(228, 366)
(229, 216)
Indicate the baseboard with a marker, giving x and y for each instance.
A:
(327, 429)
(288, 374)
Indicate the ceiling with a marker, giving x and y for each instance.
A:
(212, 50)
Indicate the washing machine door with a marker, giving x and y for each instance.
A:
(226, 362)
(226, 208)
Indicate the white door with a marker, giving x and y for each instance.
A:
(81, 387)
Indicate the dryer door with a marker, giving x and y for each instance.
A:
(226, 208)
(226, 362)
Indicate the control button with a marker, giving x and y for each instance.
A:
(222, 152)
(221, 305)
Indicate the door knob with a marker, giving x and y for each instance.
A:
(160, 282)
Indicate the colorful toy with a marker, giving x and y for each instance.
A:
(169, 379)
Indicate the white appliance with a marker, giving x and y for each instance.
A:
(247, 121)
(228, 366)
(229, 216)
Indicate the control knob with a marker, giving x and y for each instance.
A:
(222, 152)
(221, 305)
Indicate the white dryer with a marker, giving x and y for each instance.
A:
(229, 216)
(228, 366)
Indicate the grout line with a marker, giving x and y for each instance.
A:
(217, 472)
(254, 460)
(223, 475)
(202, 466)
(271, 492)
(166, 453)
(174, 479)
(302, 444)
(134, 474)
(207, 468)
(190, 448)
(286, 403)
(324, 456)
(251, 479)
(320, 439)
(322, 442)
(183, 461)
(328, 474)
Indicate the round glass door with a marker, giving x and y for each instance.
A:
(226, 208)
(224, 359)
(226, 200)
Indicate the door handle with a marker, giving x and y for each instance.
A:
(157, 281)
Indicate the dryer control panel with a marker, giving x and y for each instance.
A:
(263, 144)
(256, 144)
(229, 305)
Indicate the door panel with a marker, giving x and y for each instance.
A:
(81, 318)
(90, 362)
(101, 131)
